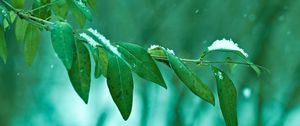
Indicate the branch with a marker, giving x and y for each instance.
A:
(201, 61)
(45, 24)
(27, 16)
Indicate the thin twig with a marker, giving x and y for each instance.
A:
(43, 6)
(23, 15)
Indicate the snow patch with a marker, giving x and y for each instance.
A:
(157, 46)
(227, 45)
(105, 41)
(247, 92)
(170, 51)
(89, 39)
(81, 3)
(220, 75)
(154, 47)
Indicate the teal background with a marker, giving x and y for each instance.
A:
(268, 30)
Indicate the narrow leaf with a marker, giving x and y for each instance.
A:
(20, 29)
(159, 53)
(101, 61)
(12, 16)
(31, 43)
(18, 3)
(238, 53)
(190, 79)
(92, 4)
(120, 84)
(60, 9)
(80, 73)
(141, 62)
(3, 48)
(63, 42)
(5, 18)
(83, 9)
(80, 18)
(43, 13)
(227, 97)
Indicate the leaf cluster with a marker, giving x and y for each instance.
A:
(115, 61)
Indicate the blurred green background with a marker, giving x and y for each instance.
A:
(268, 30)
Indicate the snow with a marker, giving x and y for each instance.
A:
(247, 92)
(105, 41)
(154, 47)
(81, 3)
(157, 46)
(89, 39)
(227, 45)
(220, 75)
(170, 51)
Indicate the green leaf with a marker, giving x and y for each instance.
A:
(141, 62)
(92, 4)
(31, 43)
(252, 65)
(81, 5)
(120, 84)
(101, 61)
(80, 18)
(63, 42)
(238, 53)
(80, 73)
(13, 16)
(190, 79)
(5, 17)
(3, 48)
(18, 3)
(20, 29)
(229, 66)
(42, 13)
(255, 68)
(60, 9)
(159, 53)
(227, 97)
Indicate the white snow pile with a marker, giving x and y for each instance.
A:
(89, 39)
(105, 41)
(154, 47)
(170, 51)
(226, 45)
(157, 46)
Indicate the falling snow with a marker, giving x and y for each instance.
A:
(247, 92)
(227, 45)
